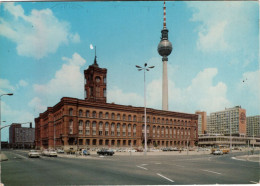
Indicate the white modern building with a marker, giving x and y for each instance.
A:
(253, 126)
(229, 121)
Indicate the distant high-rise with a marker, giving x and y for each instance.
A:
(253, 126)
(164, 49)
(230, 120)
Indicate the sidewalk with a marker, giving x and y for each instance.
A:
(253, 158)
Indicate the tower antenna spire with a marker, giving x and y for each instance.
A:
(164, 16)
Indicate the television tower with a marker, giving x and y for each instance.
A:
(164, 49)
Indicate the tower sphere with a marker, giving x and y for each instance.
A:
(164, 48)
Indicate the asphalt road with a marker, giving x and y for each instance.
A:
(128, 170)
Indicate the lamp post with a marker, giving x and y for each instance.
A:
(145, 68)
(9, 94)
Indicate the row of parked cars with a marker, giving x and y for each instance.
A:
(37, 154)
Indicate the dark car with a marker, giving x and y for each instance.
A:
(105, 152)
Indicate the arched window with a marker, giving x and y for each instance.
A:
(154, 120)
(129, 129)
(100, 115)
(94, 128)
(143, 118)
(94, 114)
(87, 113)
(118, 117)
(162, 131)
(80, 127)
(80, 113)
(100, 129)
(124, 129)
(113, 116)
(71, 127)
(129, 117)
(107, 115)
(163, 121)
(148, 119)
(87, 126)
(158, 131)
(113, 129)
(105, 92)
(106, 129)
(134, 117)
(134, 130)
(118, 129)
(154, 128)
(124, 117)
(158, 120)
(71, 112)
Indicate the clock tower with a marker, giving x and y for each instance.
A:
(95, 83)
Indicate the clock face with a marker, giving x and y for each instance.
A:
(97, 79)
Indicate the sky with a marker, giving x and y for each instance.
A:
(46, 46)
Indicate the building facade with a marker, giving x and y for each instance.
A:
(75, 123)
(21, 137)
(253, 126)
(230, 120)
(202, 122)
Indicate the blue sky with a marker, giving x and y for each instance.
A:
(45, 46)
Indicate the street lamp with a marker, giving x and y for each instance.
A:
(9, 94)
(145, 68)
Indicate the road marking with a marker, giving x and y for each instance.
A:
(165, 177)
(234, 158)
(211, 171)
(19, 155)
(178, 165)
(253, 182)
(142, 167)
(143, 164)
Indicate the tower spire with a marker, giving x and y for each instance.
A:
(164, 16)
(95, 60)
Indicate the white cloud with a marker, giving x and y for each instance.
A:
(75, 38)
(37, 105)
(201, 94)
(5, 86)
(224, 26)
(91, 46)
(213, 38)
(117, 96)
(37, 34)
(23, 83)
(68, 81)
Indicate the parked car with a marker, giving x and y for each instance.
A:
(85, 152)
(218, 152)
(175, 149)
(105, 152)
(45, 152)
(52, 153)
(60, 151)
(34, 154)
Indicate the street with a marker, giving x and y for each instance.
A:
(128, 170)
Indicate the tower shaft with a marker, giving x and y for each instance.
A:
(165, 87)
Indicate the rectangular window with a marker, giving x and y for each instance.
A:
(129, 133)
(112, 133)
(94, 132)
(106, 133)
(80, 132)
(123, 133)
(87, 132)
(100, 133)
(118, 133)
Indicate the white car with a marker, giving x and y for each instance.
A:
(34, 154)
(218, 152)
(52, 153)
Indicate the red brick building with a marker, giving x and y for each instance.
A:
(76, 123)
